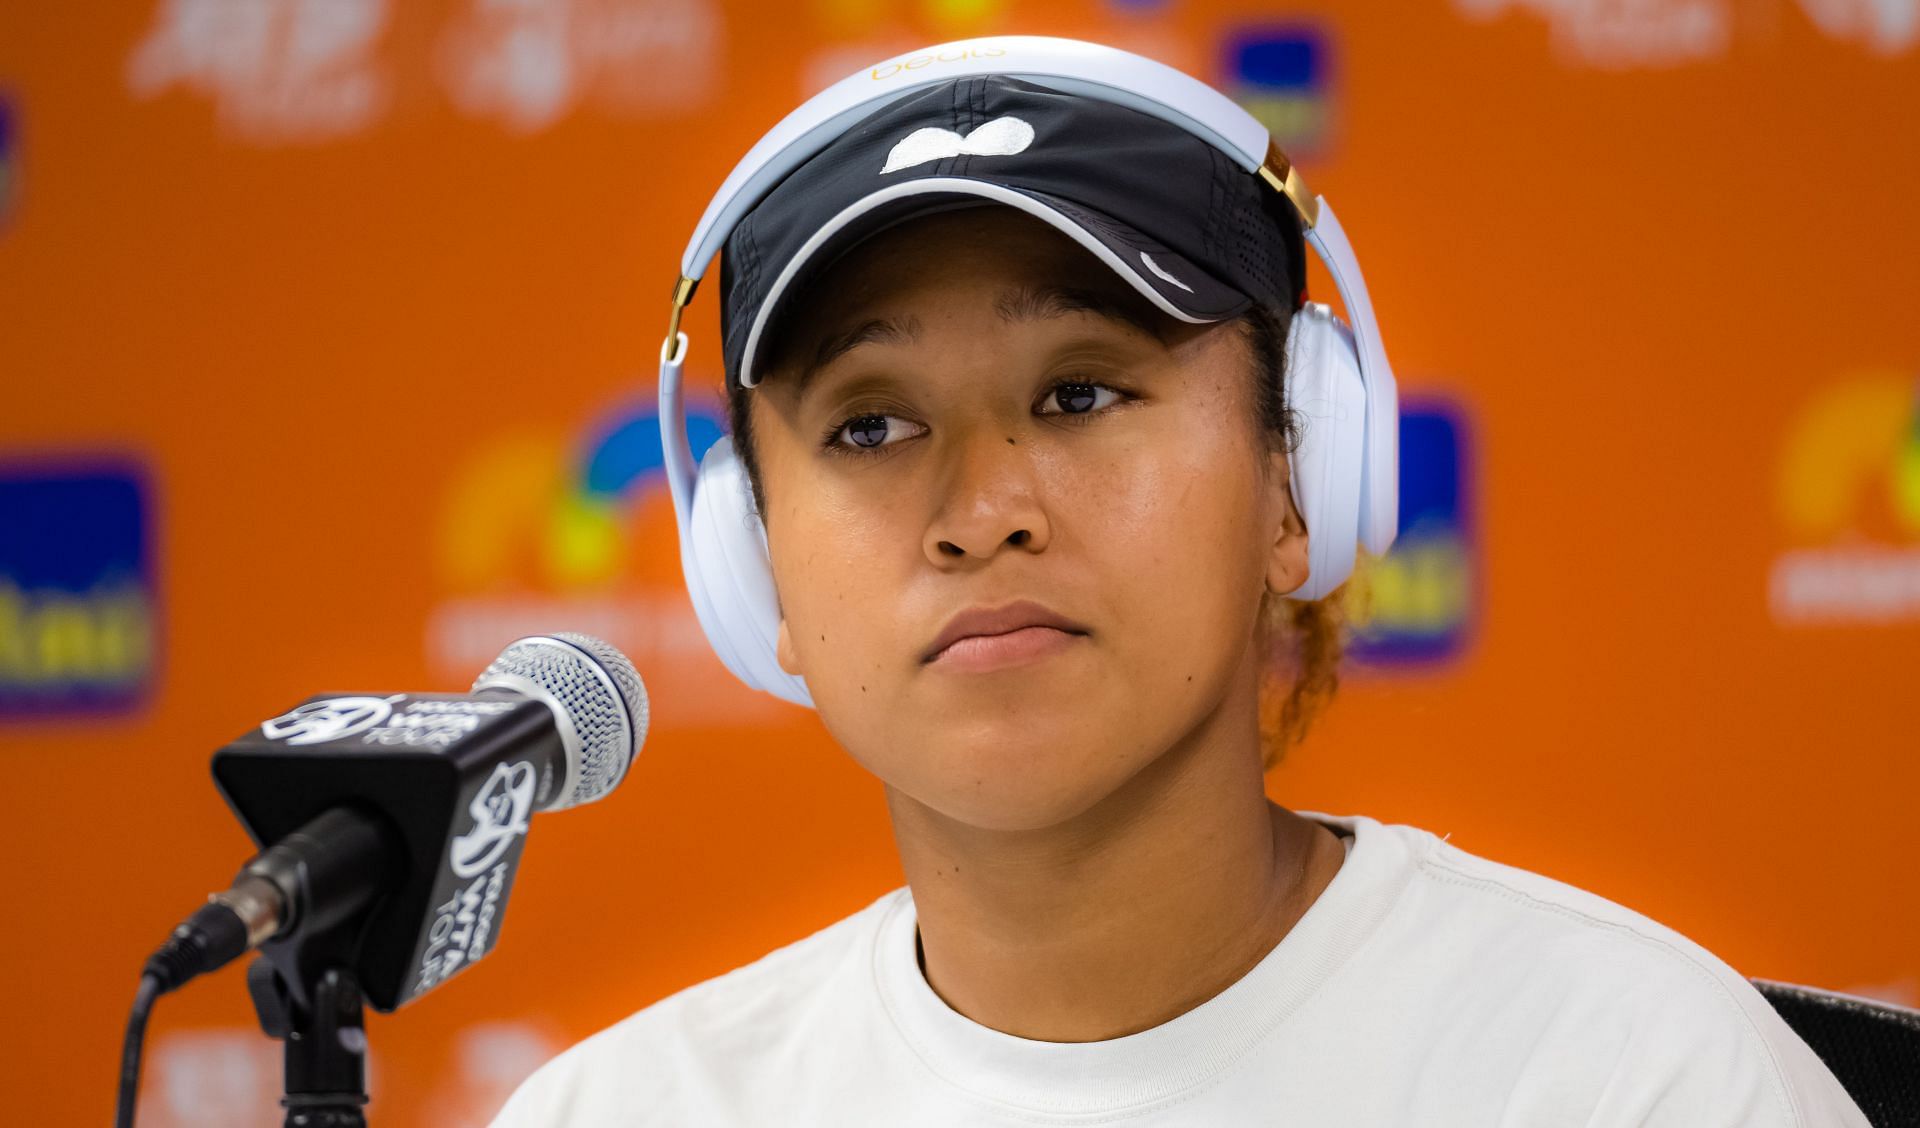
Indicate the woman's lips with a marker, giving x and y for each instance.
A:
(981, 653)
(991, 637)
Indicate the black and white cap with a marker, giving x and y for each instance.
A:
(1200, 237)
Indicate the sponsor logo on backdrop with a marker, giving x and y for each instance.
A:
(1608, 34)
(230, 1076)
(310, 71)
(219, 1077)
(78, 605)
(1612, 35)
(1848, 499)
(953, 18)
(1885, 27)
(1423, 594)
(275, 70)
(1279, 75)
(529, 63)
(552, 532)
(923, 21)
(490, 1060)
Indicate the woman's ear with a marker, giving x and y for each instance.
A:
(1288, 563)
(783, 650)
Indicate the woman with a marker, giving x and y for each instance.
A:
(1032, 523)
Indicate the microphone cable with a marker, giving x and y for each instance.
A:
(212, 937)
(130, 1050)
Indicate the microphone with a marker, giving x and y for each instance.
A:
(393, 823)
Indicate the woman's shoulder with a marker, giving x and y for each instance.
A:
(1566, 972)
(1427, 882)
(630, 1064)
(1559, 921)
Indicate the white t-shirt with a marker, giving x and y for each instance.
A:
(1424, 986)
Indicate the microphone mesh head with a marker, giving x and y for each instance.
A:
(597, 697)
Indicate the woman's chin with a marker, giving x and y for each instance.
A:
(1016, 784)
(998, 752)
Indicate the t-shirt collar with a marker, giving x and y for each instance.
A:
(1165, 1061)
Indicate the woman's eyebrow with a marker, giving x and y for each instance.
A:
(879, 330)
(1032, 303)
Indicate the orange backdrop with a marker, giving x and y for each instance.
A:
(363, 297)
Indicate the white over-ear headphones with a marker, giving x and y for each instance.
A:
(1345, 474)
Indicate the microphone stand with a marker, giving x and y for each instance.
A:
(326, 1043)
(305, 984)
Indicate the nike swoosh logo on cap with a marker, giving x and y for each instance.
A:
(1161, 274)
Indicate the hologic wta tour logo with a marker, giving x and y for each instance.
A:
(334, 718)
(482, 863)
(1848, 496)
(500, 812)
(544, 532)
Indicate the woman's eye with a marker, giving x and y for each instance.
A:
(869, 431)
(1078, 399)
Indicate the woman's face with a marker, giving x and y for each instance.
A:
(970, 411)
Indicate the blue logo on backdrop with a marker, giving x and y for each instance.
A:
(77, 599)
(1423, 594)
(1279, 75)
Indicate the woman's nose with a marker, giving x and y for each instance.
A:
(991, 496)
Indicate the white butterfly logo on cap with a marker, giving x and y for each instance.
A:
(1001, 137)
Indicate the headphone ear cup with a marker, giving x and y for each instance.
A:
(1329, 400)
(730, 576)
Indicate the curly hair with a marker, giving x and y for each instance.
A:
(1302, 640)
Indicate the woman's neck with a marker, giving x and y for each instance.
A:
(1140, 909)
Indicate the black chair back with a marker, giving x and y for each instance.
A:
(1872, 1047)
